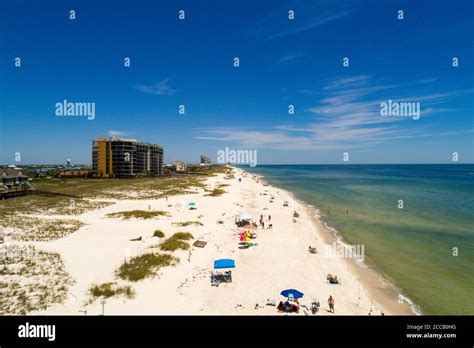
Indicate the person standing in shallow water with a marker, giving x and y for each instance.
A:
(331, 304)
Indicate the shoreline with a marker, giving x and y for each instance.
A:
(278, 259)
(383, 290)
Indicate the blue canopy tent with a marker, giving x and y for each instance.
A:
(224, 263)
(218, 277)
(292, 293)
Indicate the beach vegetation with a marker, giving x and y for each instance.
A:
(137, 214)
(188, 223)
(31, 280)
(216, 192)
(110, 289)
(177, 241)
(146, 265)
(158, 233)
(28, 228)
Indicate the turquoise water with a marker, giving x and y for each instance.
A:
(414, 247)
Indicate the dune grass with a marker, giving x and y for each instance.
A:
(176, 241)
(111, 289)
(137, 214)
(158, 233)
(216, 192)
(31, 279)
(27, 228)
(182, 236)
(188, 223)
(146, 265)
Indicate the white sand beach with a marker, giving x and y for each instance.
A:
(279, 261)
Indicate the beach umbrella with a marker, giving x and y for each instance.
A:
(245, 216)
(224, 263)
(291, 293)
(192, 203)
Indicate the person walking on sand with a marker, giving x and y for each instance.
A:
(331, 304)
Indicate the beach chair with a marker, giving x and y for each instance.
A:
(271, 302)
(221, 277)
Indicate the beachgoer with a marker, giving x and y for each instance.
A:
(263, 225)
(269, 218)
(331, 304)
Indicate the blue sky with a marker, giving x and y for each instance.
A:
(282, 62)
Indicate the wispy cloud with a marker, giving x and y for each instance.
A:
(319, 21)
(346, 116)
(115, 133)
(309, 15)
(159, 88)
(288, 58)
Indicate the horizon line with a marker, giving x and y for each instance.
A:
(266, 164)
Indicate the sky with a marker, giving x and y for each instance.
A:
(282, 62)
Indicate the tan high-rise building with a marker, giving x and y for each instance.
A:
(112, 157)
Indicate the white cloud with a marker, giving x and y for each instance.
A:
(288, 58)
(319, 21)
(159, 88)
(115, 133)
(348, 116)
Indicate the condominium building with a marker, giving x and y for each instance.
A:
(205, 160)
(112, 157)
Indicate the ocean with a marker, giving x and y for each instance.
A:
(415, 221)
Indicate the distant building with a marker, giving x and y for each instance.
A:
(74, 174)
(112, 157)
(181, 167)
(12, 177)
(205, 160)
